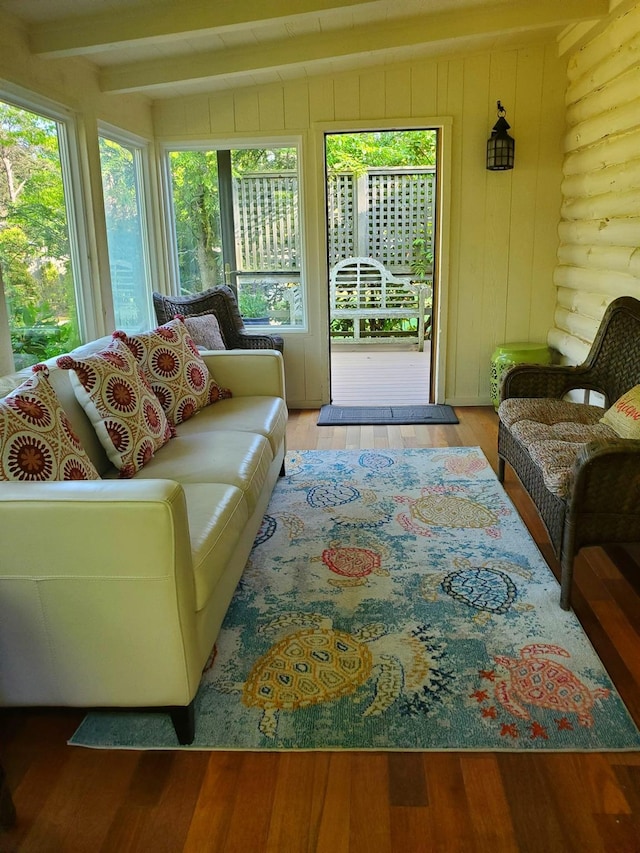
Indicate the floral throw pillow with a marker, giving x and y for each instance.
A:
(124, 411)
(624, 415)
(37, 442)
(175, 369)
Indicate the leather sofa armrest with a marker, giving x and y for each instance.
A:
(97, 603)
(96, 528)
(248, 373)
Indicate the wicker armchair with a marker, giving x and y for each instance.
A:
(597, 502)
(220, 301)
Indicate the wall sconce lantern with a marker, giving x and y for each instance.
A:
(500, 146)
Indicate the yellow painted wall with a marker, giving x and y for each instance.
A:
(502, 230)
(599, 254)
(72, 83)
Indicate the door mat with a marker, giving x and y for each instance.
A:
(385, 415)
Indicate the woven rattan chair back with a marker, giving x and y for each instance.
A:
(222, 302)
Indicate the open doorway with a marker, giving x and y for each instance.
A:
(381, 222)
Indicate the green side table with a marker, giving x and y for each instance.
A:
(506, 355)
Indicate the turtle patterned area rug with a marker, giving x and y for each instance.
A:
(393, 600)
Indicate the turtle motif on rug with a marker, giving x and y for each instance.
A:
(353, 564)
(486, 587)
(314, 663)
(440, 507)
(534, 679)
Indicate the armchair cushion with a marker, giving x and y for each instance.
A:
(547, 411)
(624, 415)
(175, 370)
(124, 411)
(37, 442)
(553, 432)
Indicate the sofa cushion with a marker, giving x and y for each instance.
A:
(205, 331)
(264, 415)
(175, 370)
(240, 459)
(624, 415)
(218, 514)
(123, 409)
(37, 441)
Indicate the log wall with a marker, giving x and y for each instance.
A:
(599, 253)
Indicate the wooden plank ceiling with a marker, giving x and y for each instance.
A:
(169, 49)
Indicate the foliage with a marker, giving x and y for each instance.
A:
(247, 160)
(118, 182)
(196, 204)
(253, 304)
(31, 191)
(422, 266)
(355, 152)
(34, 244)
(36, 332)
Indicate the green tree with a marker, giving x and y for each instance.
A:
(356, 152)
(34, 243)
(196, 205)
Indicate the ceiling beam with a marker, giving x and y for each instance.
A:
(521, 16)
(106, 30)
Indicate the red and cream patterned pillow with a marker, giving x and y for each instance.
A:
(175, 370)
(36, 439)
(124, 411)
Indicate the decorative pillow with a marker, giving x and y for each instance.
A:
(124, 411)
(624, 415)
(205, 331)
(175, 369)
(37, 442)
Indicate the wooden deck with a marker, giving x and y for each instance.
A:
(366, 375)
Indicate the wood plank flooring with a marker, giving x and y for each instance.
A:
(367, 375)
(72, 800)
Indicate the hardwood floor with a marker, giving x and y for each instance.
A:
(76, 800)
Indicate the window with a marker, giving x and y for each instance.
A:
(236, 221)
(121, 163)
(38, 258)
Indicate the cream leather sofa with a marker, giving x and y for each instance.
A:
(112, 592)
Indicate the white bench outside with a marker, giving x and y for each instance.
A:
(363, 289)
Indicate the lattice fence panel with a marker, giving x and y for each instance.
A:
(266, 215)
(401, 210)
(341, 213)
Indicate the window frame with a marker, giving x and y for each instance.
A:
(74, 196)
(231, 144)
(141, 148)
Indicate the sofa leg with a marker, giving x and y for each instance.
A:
(184, 722)
(501, 469)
